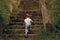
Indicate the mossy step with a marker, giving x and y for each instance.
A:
(37, 19)
(22, 27)
(15, 35)
(18, 27)
(16, 20)
(22, 19)
(11, 24)
(23, 22)
(14, 38)
(31, 16)
(29, 10)
(20, 32)
(13, 31)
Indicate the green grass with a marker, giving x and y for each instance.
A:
(52, 36)
(49, 36)
(46, 35)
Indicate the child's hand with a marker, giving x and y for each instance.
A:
(33, 23)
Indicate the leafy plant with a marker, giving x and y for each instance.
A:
(54, 11)
(4, 11)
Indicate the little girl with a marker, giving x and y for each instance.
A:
(28, 22)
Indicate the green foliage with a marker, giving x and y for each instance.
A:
(4, 6)
(1, 19)
(54, 11)
(4, 10)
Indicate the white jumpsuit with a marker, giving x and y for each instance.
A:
(27, 24)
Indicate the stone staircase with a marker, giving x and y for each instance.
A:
(15, 29)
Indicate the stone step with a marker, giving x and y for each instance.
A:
(33, 15)
(14, 23)
(17, 35)
(16, 38)
(32, 24)
(12, 17)
(39, 23)
(36, 14)
(22, 27)
(16, 20)
(34, 19)
(35, 22)
(21, 32)
(33, 10)
(37, 19)
(24, 16)
(23, 24)
(22, 19)
(17, 31)
(19, 27)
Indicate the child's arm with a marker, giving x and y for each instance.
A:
(32, 22)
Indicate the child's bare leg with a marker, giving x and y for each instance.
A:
(26, 31)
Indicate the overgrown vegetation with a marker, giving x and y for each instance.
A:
(4, 11)
(54, 11)
(1, 19)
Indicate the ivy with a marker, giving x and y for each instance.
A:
(4, 11)
(54, 11)
(1, 18)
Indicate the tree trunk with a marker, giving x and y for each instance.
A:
(44, 13)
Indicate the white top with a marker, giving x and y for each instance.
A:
(27, 21)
